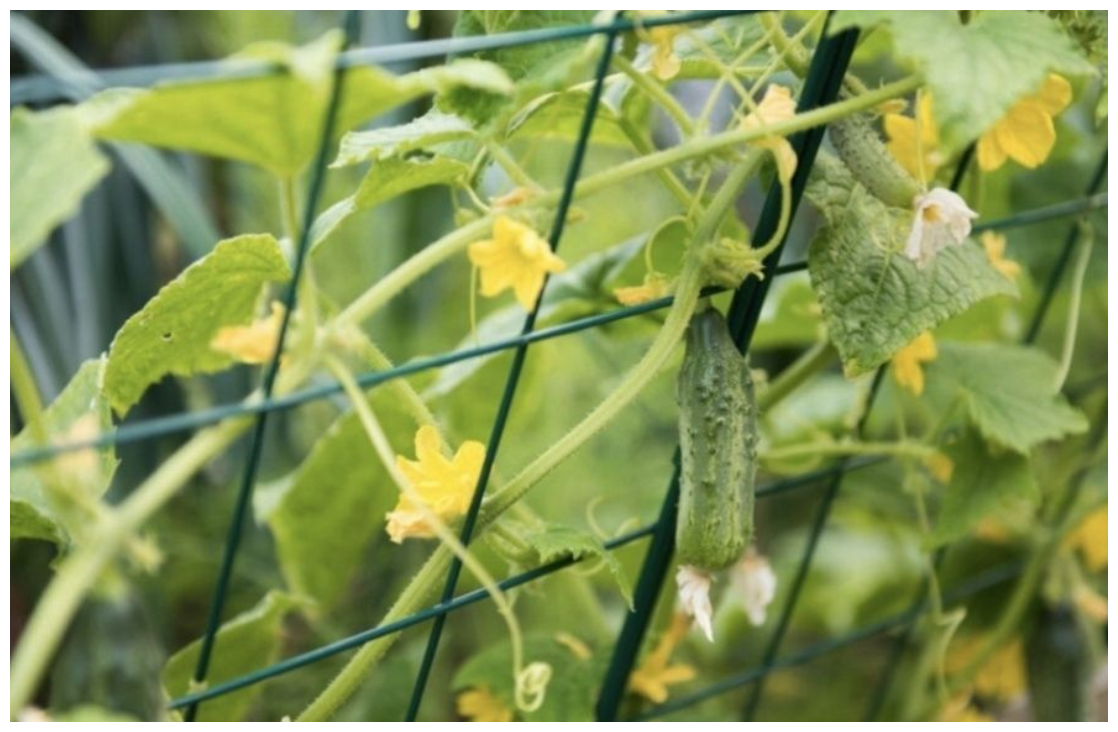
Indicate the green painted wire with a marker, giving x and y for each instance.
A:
(160, 426)
(287, 665)
(500, 422)
(820, 87)
(351, 24)
(40, 88)
(886, 675)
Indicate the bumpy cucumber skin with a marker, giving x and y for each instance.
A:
(718, 447)
(871, 164)
(1059, 663)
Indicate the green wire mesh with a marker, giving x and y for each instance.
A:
(821, 87)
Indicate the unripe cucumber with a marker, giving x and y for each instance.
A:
(871, 164)
(1059, 662)
(718, 447)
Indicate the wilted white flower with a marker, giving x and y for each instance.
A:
(694, 596)
(756, 585)
(942, 219)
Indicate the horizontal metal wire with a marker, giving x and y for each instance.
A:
(171, 424)
(983, 581)
(42, 88)
(469, 598)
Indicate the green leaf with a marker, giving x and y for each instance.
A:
(571, 693)
(384, 142)
(1008, 392)
(79, 412)
(578, 291)
(275, 121)
(54, 163)
(983, 482)
(90, 713)
(558, 116)
(555, 542)
(245, 643)
(874, 299)
(537, 68)
(979, 70)
(172, 334)
(325, 515)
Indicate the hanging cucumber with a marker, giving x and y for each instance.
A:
(718, 447)
(1059, 661)
(861, 149)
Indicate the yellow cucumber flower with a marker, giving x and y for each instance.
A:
(653, 677)
(906, 362)
(665, 64)
(776, 106)
(994, 244)
(479, 705)
(1026, 133)
(254, 343)
(907, 147)
(515, 257)
(942, 219)
(655, 286)
(445, 486)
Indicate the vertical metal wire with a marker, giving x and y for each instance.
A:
(888, 670)
(821, 86)
(513, 380)
(351, 24)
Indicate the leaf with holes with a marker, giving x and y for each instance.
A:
(984, 482)
(54, 163)
(80, 412)
(977, 70)
(571, 693)
(245, 643)
(173, 332)
(1008, 391)
(555, 542)
(874, 299)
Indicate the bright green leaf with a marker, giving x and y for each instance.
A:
(384, 142)
(874, 299)
(979, 70)
(578, 291)
(555, 542)
(394, 177)
(274, 121)
(571, 694)
(325, 515)
(54, 163)
(80, 412)
(983, 483)
(1008, 392)
(245, 643)
(172, 334)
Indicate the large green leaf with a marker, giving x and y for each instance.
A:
(325, 515)
(976, 71)
(172, 334)
(983, 482)
(431, 129)
(559, 115)
(1008, 391)
(274, 121)
(874, 299)
(571, 692)
(245, 643)
(80, 412)
(54, 163)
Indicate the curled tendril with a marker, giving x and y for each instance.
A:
(531, 686)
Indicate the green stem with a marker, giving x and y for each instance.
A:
(25, 390)
(289, 208)
(510, 166)
(644, 147)
(814, 360)
(793, 53)
(1079, 273)
(839, 449)
(80, 570)
(455, 242)
(657, 93)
